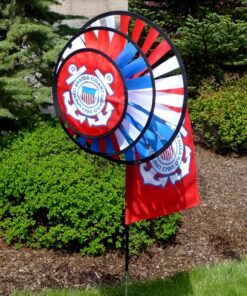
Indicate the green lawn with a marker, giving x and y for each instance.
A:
(227, 279)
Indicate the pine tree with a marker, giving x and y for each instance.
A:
(172, 14)
(212, 46)
(29, 46)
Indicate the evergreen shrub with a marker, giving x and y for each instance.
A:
(54, 195)
(29, 46)
(172, 14)
(219, 115)
(212, 46)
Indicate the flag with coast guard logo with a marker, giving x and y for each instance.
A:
(166, 184)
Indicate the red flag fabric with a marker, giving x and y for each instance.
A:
(166, 184)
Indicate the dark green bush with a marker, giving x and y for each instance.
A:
(220, 115)
(54, 195)
(171, 14)
(211, 46)
(162, 14)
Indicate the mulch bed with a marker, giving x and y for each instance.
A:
(212, 232)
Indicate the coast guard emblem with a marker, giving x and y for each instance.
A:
(88, 93)
(91, 93)
(171, 165)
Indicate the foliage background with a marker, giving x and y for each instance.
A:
(48, 199)
(29, 46)
(219, 115)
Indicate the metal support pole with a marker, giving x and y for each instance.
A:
(126, 273)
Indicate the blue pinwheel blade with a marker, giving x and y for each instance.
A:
(134, 68)
(139, 83)
(126, 55)
(81, 140)
(95, 145)
(109, 145)
(141, 148)
(130, 155)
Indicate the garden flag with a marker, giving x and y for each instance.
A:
(166, 184)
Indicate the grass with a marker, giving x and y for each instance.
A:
(225, 279)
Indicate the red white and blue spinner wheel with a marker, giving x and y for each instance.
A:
(93, 132)
(150, 96)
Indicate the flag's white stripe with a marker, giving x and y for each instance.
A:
(138, 115)
(167, 114)
(166, 67)
(141, 98)
(110, 23)
(130, 129)
(173, 100)
(175, 81)
(122, 142)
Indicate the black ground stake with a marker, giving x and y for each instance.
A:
(126, 273)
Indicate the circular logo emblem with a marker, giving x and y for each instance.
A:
(91, 93)
(88, 94)
(169, 160)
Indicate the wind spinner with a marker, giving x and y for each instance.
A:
(120, 88)
(120, 91)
